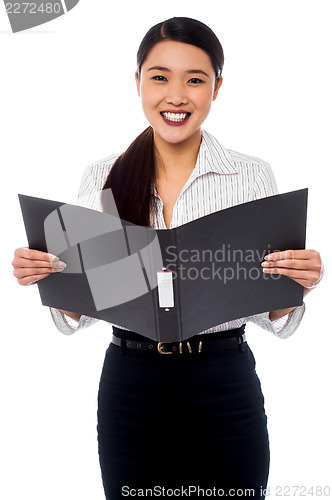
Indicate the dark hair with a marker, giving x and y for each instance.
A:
(133, 174)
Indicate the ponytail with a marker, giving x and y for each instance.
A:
(131, 179)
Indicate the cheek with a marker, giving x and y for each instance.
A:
(149, 94)
(203, 101)
(203, 106)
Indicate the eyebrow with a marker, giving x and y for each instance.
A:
(199, 71)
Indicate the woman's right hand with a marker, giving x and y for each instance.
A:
(32, 265)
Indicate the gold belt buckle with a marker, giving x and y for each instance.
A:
(161, 347)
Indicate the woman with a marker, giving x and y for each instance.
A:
(197, 418)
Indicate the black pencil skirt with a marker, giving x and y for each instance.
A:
(181, 425)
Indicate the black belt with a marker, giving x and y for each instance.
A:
(196, 344)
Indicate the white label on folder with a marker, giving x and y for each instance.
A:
(165, 288)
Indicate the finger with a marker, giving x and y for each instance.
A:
(304, 283)
(26, 272)
(291, 264)
(29, 280)
(28, 263)
(21, 264)
(31, 254)
(292, 254)
(296, 274)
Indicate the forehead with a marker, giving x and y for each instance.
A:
(178, 56)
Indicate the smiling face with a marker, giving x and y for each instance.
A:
(177, 86)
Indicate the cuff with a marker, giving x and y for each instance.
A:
(67, 325)
(283, 327)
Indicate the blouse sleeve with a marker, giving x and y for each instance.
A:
(285, 326)
(91, 186)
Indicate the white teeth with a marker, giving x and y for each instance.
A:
(175, 117)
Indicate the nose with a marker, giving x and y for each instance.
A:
(176, 94)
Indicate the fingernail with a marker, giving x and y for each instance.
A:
(53, 258)
(265, 264)
(59, 266)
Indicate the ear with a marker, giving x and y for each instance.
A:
(217, 87)
(137, 83)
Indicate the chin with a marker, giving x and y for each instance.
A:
(176, 136)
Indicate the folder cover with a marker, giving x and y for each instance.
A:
(168, 284)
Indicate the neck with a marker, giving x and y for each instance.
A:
(175, 160)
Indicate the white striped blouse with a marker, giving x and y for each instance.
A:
(221, 178)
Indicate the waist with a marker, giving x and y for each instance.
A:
(229, 339)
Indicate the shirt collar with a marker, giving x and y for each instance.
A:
(212, 157)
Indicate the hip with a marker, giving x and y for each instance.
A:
(226, 376)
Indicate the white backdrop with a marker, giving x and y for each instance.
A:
(68, 98)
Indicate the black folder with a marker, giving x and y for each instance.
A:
(168, 284)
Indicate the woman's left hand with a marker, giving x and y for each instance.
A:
(303, 266)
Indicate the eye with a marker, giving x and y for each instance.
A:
(159, 78)
(196, 80)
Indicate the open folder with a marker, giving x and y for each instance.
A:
(168, 284)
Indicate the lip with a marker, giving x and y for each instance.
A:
(174, 111)
(175, 124)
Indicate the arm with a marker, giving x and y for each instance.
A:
(279, 313)
(68, 322)
(92, 182)
(72, 315)
(282, 322)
